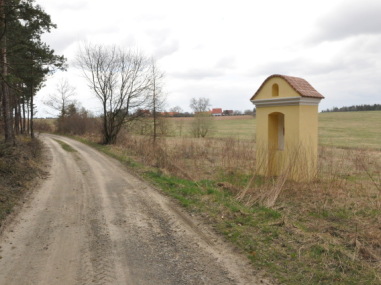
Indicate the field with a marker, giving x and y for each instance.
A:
(351, 129)
(341, 129)
(361, 130)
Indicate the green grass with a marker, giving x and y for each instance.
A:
(351, 129)
(284, 251)
(242, 127)
(65, 146)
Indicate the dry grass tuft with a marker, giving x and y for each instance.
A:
(19, 167)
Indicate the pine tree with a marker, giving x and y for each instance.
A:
(25, 60)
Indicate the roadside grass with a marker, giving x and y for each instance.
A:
(111, 150)
(322, 232)
(19, 166)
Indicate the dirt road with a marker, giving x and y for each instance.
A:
(91, 222)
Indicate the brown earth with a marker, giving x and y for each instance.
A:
(92, 222)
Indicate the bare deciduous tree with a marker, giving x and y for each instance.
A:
(157, 97)
(62, 98)
(176, 109)
(200, 105)
(120, 80)
(202, 123)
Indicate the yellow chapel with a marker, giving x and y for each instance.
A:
(287, 127)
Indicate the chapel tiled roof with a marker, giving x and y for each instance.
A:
(301, 86)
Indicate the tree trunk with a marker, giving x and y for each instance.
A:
(28, 117)
(23, 121)
(154, 111)
(17, 116)
(31, 113)
(105, 125)
(7, 114)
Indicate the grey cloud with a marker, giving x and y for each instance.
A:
(61, 39)
(149, 18)
(74, 5)
(290, 67)
(197, 74)
(296, 67)
(166, 49)
(158, 35)
(344, 89)
(162, 42)
(236, 97)
(226, 62)
(351, 19)
(353, 58)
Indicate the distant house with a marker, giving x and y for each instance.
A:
(228, 113)
(169, 114)
(143, 113)
(217, 112)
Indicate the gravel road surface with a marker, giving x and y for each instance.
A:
(92, 222)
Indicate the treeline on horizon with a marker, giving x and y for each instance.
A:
(355, 108)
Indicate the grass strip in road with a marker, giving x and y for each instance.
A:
(65, 146)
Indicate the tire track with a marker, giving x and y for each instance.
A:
(98, 266)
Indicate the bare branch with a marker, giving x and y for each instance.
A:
(121, 81)
(200, 105)
(63, 98)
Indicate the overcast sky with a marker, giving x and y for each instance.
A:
(224, 50)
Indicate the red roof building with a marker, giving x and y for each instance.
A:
(217, 112)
